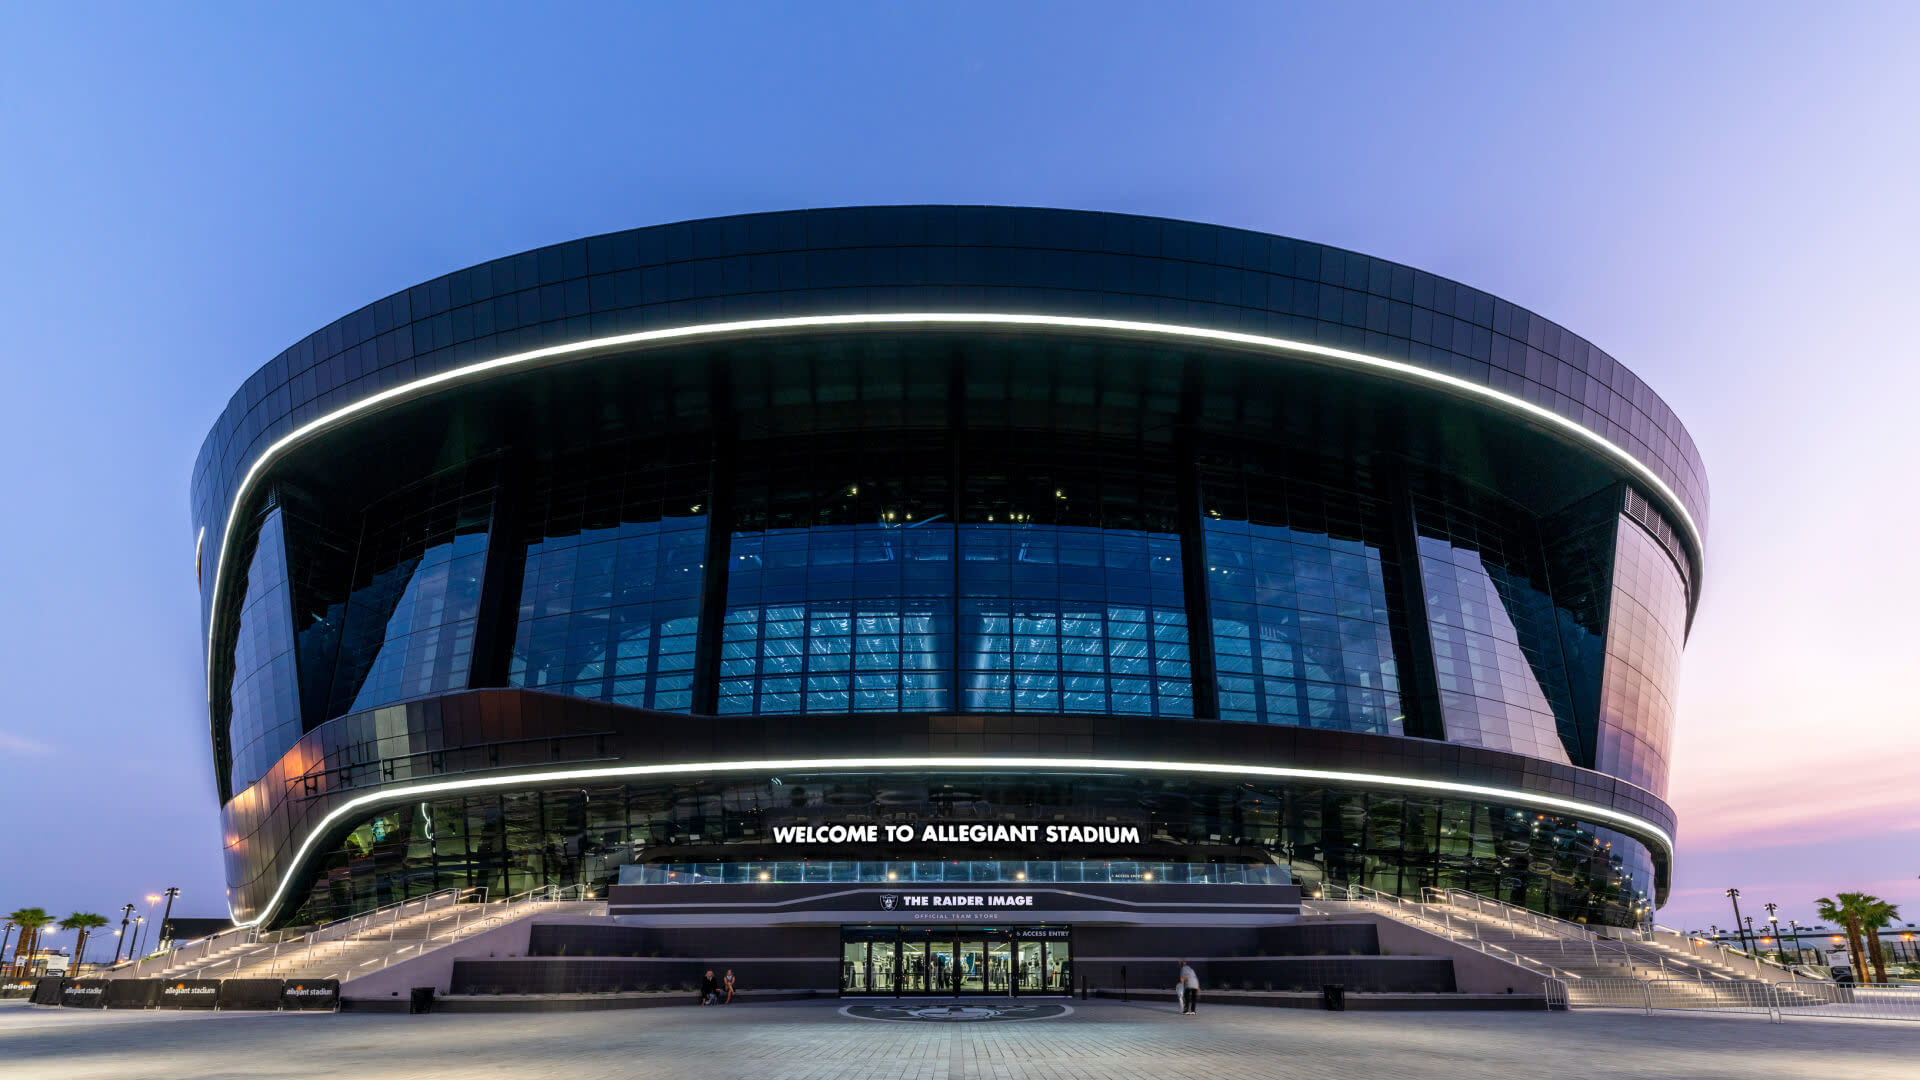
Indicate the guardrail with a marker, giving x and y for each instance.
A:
(1516, 916)
(1440, 923)
(1800, 999)
(1738, 959)
(1660, 942)
(338, 929)
(487, 918)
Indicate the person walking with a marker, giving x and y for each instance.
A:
(1189, 989)
(709, 989)
(727, 984)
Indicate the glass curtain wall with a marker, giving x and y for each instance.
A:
(1304, 592)
(1648, 628)
(850, 587)
(1497, 653)
(1394, 842)
(613, 547)
(840, 577)
(410, 616)
(263, 692)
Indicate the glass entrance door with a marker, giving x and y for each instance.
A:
(954, 960)
(1059, 971)
(913, 967)
(999, 967)
(973, 967)
(853, 967)
(881, 973)
(1031, 974)
(940, 966)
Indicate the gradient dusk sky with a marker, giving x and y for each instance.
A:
(1721, 195)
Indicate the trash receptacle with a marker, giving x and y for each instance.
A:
(421, 1000)
(1333, 997)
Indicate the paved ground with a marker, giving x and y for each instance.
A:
(814, 1041)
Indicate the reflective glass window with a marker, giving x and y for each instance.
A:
(1646, 630)
(840, 578)
(609, 602)
(1497, 653)
(409, 623)
(1298, 590)
(263, 696)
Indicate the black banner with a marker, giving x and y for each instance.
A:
(132, 993)
(250, 994)
(310, 994)
(189, 994)
(47, 990)
(85, 994)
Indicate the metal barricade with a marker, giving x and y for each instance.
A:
(1712, 995)
(1675, 995)
(1812, 1000)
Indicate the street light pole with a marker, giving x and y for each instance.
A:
(1796, 939)
(126, 916)
(4, 938)
(1734, 895)
(166, 932)
(1775, 920)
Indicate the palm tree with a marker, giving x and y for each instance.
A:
(1878, 913)
(86, 922)
(29, 920)
(1849, 909)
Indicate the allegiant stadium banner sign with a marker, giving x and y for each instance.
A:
(969, 833)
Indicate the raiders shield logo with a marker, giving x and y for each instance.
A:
(887, 899)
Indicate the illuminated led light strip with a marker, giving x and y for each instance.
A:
(419, 386)
(408, 793)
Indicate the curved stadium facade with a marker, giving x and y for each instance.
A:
(944, 544)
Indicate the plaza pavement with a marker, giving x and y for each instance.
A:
(813, 1041)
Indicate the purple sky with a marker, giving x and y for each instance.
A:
(1721, 196)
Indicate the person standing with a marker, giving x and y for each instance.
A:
(727, 985)
(709, 989)
(1189, 989)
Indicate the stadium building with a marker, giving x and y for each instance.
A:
(936, 558)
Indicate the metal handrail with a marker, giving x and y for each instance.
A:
(335, 929)
(1468, 934)
(544, 894)
(1548, 925)
(136, 966)
(1693, 943)
(1684, 944)
(340, 929)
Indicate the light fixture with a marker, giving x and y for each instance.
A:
(411, 792)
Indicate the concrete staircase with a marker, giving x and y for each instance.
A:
(1596, 968)
(358, 946)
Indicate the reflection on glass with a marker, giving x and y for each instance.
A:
(880, 967)
(1302, 585)
(972, 966)
(1059, 978)
(940, 962)
(999, 966)
(1496, 645)
(1032, 973)
(853, 967)
(913, 967)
